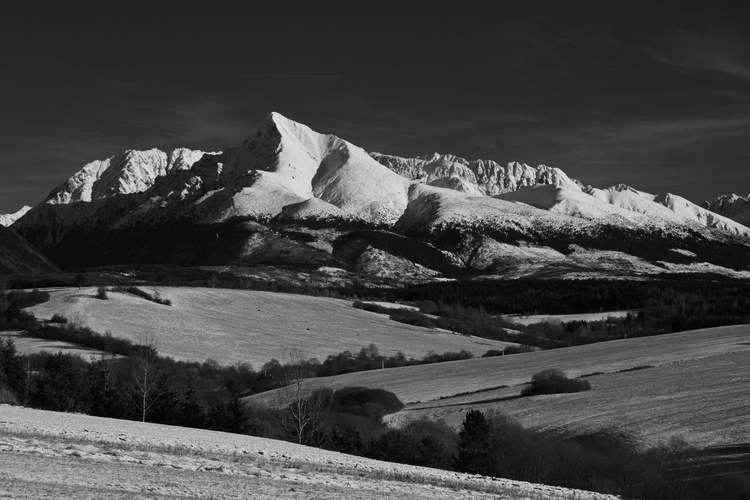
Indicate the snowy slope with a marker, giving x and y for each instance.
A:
(570, 200)
(131, 172)
(705, 217)
(161, 204)
(476, 177)
(288, 163)
(637, 201)
(8, 219)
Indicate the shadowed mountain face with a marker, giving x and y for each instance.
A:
(18, 257)
(731, 206)
(289, 195)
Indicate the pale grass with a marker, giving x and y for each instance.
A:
(692, 384)
(233, 326)
(108, 447)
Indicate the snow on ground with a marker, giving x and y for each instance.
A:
(62, 455)
(8, 219)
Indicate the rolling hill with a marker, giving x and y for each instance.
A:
(233, 326)
(693, 384)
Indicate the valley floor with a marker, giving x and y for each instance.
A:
(57, 455)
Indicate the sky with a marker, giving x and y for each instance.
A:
(652, 94)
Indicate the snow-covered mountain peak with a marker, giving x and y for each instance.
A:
(131, 172)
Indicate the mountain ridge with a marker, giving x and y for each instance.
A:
(289, 174)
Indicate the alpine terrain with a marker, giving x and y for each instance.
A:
(289, 195)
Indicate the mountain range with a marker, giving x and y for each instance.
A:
(292, 196)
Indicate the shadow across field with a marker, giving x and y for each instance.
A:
(732, 459)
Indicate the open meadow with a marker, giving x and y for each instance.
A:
(233, 326)
(692, 384)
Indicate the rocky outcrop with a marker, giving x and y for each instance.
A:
(731, 206)
(484, 177)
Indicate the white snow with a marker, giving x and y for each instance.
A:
(8, 219)
(131, 172)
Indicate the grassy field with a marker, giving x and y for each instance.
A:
(232, 326)
(64, 455)
(30, 345)
(697, 387)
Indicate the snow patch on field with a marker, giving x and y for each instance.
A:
(230, 463)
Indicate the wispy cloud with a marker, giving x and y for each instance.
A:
(722, 52)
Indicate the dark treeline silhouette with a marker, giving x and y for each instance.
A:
(605, 461)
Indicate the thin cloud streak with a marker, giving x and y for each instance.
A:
(717, 52)
(177, 73)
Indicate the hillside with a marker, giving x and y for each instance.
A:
(61, 455)
(18, 257)
(696, 386)
(232, 326)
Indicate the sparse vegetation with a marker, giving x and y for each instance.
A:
(133, 290)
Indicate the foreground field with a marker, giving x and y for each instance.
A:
(54, 455)
(697, 386)
(232, 326)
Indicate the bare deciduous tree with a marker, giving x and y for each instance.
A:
(145, 375)
(303, 402)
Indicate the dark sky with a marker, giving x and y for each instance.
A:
(652, 94)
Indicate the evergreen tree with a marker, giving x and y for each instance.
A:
(12, 371)
(105, 393)
(474, 445)
(192, 413)
(346, 441)
(63, 386)
(169, 405)
(231, 416)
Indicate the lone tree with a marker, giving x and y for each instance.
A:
(144, 375)
(303, 404)
(475, 445)
(80, 281)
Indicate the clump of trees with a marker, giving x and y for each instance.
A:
(554, 381)
(134, 290)
(605, 461)
(13, 374)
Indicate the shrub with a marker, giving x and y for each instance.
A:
(58, 318)
(553, 381)
(133, 290)
(365, 402)
(411, 317)
(101, 293)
